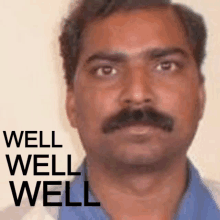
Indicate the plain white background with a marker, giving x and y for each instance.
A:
(32, 89)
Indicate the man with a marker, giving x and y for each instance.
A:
(135, 92)
(136, 95)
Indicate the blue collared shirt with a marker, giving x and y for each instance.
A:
(197, 202)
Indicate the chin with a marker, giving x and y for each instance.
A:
(138, 162)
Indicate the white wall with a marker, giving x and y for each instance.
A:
(32, 89)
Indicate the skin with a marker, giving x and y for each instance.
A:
(141, 170)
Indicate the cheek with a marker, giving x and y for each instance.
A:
(93, 106)
(182, 104)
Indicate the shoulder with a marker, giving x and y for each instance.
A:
(26, 212)
(214, 189)
(36, 212)
(39, 212)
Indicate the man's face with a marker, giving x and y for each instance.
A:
(136, 60)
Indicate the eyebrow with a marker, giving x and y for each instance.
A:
(119, 57)
(163, 52)
(116, 57)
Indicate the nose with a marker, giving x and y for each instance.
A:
(137, 88)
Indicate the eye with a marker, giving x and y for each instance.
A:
(167, 66)
(106, 71)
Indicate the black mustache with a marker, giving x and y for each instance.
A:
(147, 116)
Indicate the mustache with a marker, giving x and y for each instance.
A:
(146, 116)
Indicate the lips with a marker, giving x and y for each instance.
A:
(136, 124)
(138, 133)
(138, 128)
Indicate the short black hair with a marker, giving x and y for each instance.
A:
(90, 10)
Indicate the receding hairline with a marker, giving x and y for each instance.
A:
(82, 14)
(169, 7)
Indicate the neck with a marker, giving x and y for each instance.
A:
(140, 193)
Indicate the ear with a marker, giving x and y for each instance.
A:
(71, 106)
(202, 99)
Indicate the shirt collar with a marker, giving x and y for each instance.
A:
(196, 204)
(77, 195)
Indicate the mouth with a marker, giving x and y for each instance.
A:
(138, 128)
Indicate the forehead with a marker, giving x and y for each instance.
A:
(134, 31)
